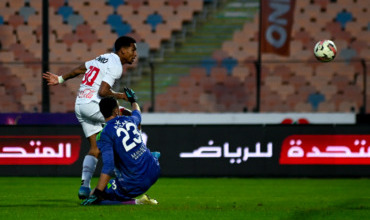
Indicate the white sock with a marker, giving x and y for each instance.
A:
(88, 169)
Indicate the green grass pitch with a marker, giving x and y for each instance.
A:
(194, 198)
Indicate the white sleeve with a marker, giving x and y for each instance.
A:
(113, 73)
(88, 64)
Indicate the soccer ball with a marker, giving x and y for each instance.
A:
(325, 50)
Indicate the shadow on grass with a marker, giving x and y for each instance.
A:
(44, 203)
(355, 208)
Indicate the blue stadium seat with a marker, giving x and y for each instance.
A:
(123, 29)
(347, 54)
(75, 20)
(1, 20)
(26, 12)
(116, 3)
(143, 50)
(229, 63)
(208, 64)
(114, 21)
(314, 99)
(154, 20)
(344, 17)
(65, 12)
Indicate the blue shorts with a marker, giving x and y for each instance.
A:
(121, 190)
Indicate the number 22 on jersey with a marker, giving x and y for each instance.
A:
(90, 76)
(126, 136)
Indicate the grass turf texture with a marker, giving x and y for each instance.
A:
(194, 198)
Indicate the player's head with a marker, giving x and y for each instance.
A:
(109, 107)
(125, 48)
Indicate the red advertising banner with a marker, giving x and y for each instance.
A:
(276, 24)
(39, 150)
(326, 149)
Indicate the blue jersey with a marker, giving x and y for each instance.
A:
(125, 154)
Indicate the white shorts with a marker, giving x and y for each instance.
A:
(90, 117)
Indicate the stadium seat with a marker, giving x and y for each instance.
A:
(143, 30)
(312, 10)
(326, 107)
(364, 36)
(329, 91)
(6, 56)
(208, 64)
(303, 107)
(198, 73)
(145, 10)
(230, 48)
(219, 74)
(156, 4)
(344, 17)
(315, 99)
(123, 29)
(365, 54)
(1, 20)
(74, 20)
(164, 31)
(54, 21)
(175, 3)
(114, 20)
(142, 50)
(56, 4)
(185, 12)
(322, 3)
(347, 54)
(154, 20)
(241, 72)
(36, 50)
(135, 4)
(65, 12)
(98, 48)
(187, 82)
(348, 106)
(16, 4)
(83, 29)
(25, 35)
(34, 20)
(89, 12)
(69, 39)
(175, 23)
(6, 12)
(115, 3)
(154, 41)
(219, 55)
(26, 12)
(196, 5)
(229, 63)
(166, 11)
(15, 21)
(7, 37)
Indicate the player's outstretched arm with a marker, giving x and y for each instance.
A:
(132, 98)
(54, 79)
(105, 90)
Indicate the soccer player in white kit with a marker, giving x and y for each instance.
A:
(99, 77)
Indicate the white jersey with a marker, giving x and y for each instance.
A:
(107, 68)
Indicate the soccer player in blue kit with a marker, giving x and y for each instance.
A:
(125, 155)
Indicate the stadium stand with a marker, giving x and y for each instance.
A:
(79, 31)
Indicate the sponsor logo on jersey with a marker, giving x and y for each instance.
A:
(102, 59)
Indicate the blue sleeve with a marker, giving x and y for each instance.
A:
(105, 145)
(136, 116)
